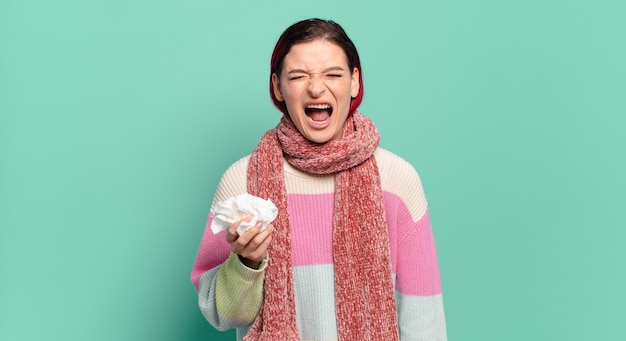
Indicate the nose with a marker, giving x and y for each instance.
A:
(316, 86)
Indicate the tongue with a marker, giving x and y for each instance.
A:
(319, 115)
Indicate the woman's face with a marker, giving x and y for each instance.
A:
(317, 85)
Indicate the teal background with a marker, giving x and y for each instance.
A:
(117, 119)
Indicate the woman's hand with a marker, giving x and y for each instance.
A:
(252, 245)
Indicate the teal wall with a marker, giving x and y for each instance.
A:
(117, 119)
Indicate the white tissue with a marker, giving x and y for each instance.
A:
(229, 211)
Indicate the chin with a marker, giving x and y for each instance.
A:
(317, 139)
(320, 137)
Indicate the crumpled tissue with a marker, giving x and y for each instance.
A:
(229, 211)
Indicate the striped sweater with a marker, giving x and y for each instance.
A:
(230, 294)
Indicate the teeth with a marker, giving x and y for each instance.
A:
(318, 106)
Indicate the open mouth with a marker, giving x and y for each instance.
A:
(318, 112)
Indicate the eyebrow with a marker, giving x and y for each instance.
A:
(328, 69)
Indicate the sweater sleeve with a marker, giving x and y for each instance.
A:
(229, 293)
(418, 286)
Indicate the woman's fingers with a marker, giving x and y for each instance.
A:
(243, 240)
(231, 232)
(253, 244)
(257, 247)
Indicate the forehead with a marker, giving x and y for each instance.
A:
(314, 54)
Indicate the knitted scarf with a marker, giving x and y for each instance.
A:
(364, 293)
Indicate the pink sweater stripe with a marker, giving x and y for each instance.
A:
(419, 277)
(311, 246)
(213, 251)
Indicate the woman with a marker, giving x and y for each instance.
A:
(351, 254)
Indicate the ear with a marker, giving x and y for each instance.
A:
(355, 86)
(276, 87)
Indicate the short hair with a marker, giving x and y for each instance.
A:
(306, 31)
